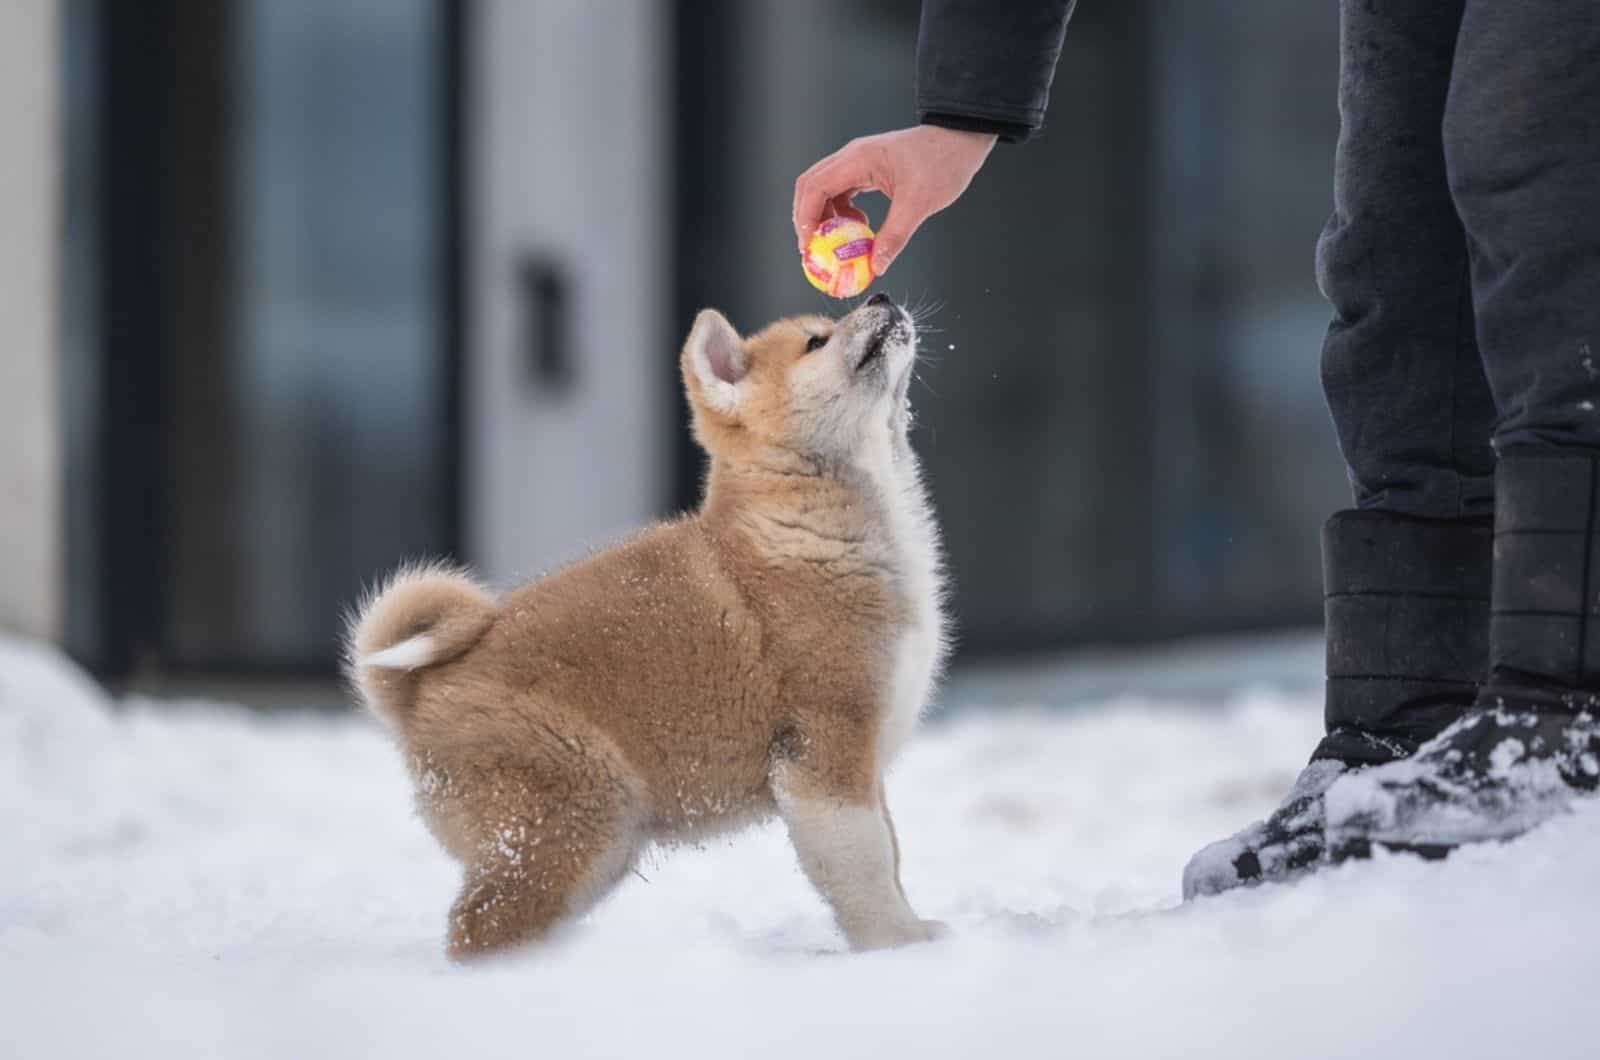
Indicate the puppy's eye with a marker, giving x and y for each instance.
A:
(815, 343)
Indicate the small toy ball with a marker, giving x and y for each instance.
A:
(838, 257)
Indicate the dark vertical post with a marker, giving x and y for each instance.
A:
(200, 454)
(1130, 144)
(135, 293)
(454, 103)
(705, 170)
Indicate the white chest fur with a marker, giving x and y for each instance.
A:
(918, 650)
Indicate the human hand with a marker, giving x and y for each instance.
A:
(922, 170)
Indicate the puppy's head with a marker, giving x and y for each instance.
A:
(809, 385)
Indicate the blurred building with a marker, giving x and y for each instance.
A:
(347, 281)
(30, 454)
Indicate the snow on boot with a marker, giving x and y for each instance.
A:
(1493, 775)
(1288, 842)
(1406, 604)
(1532, 743)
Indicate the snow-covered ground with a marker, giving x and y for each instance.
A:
(196, 880)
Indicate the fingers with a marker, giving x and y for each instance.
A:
(855, 167)
(809, 200)
(827, 188)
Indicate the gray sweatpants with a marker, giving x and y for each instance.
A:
(1463, 255)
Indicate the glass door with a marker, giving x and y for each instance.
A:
(273, 404)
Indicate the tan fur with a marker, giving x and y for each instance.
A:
(709, 672)
(432, 599)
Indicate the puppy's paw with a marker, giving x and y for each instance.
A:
(898, 933)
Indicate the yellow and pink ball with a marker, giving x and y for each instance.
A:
(838, 257)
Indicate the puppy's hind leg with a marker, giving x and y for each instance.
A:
(540, 862)
(848, 850)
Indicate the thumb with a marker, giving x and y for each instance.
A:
(906, 215)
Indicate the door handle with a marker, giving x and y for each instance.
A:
(546, 322)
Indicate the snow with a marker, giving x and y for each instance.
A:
(1430, 798)
(187, 879)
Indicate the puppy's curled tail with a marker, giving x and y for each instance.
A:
(422, 616)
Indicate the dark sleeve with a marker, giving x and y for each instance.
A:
(986, 65)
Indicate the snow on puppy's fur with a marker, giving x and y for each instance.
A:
(765, 654)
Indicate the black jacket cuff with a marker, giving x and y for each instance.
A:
(1008, 132)
(988, 64)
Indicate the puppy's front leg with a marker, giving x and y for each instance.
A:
(848, 850)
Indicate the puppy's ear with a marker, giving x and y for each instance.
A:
(714, 357)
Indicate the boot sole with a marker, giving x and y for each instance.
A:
(1361, 850)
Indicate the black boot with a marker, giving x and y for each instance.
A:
(1407, 611)
(1532, 741)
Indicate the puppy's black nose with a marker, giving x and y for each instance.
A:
(880, 299)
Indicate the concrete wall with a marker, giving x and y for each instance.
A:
(30, 532)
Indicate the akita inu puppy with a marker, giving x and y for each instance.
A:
(768, 653)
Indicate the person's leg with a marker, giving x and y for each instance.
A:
(1522, 143)
(1522, 140)
(1406, 574)
(1400, 366)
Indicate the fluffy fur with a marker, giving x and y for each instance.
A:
(765, 654)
